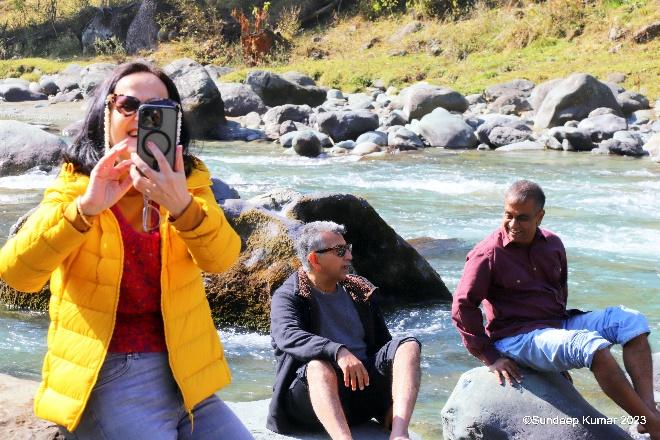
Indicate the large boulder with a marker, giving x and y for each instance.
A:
(379, 253)
(630, 102)
(143, 31)
(492, 121)
(93, 75)
(516, 87)
(404, 139)
(541, 91)
(602, 127)
(287, 112)
(421, 99)
(543, 406)
(652, 146)
(23, 146)
(344, 125)
(306, 143)
(17, 92)
(106, 24)
(69, 78)
(443, 129)
(573, 99)
(202, 103)
(240, 99)
(277, 90)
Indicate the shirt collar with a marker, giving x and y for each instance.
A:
(505, 237)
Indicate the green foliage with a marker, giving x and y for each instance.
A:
(381, 7)
(112, 47)
(64, 45)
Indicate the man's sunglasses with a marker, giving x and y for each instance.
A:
(128, 105)
(340, 249)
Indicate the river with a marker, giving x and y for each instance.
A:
(606, 209)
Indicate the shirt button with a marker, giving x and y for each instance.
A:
(535, 268)
(518, 281)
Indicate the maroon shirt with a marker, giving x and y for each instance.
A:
(521, 289)
(139, 322)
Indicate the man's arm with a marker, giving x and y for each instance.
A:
(289, 334)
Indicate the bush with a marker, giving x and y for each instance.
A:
(65, 45)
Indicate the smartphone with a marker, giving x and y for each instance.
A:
(158, 122)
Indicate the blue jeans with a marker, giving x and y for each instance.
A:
(136, 397)
(574, 345)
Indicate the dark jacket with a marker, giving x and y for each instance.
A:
(290, 329)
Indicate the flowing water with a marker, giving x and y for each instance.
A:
(606, 209)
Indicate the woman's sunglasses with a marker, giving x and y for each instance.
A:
(128, 105)
(340, 249)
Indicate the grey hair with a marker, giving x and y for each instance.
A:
(523, 190)
(309, 239)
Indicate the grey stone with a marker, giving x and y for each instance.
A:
(616, 77)
(222, 191)
(364, 148)
(286, 140)
(339, 151)
(476, 98)
(298, 78)
(377, 137)
(19, 92)
(481, 408)
(640, 117)
(48, 85)
(70, 96)
(631, 102)
(489, 122)
(360, 101)
(483, 147)
(142, 33)
(93, 75)
(629, 137)
(652, 146)
(577, 139)
(421, 99)
(603, 126)
(601, 111)
(202, 103)
(305, 143)
(23, 147)
(573, 99)
(251, 120)
(240, 99)
(516, 87)
(347, 145)
(443, 129)
(334, 94)
(541, 91)
(395, 117)
(275, 200)
(343, 125)
(401, 33)
(106, 24)
(500, 136)
(232, 131)
(216, 72)
(276, 90)
(287, 112)
(647, 33)
(69, 78)
(521, 146)
(616, 88)
(510, 104)
(383, 99)
(404, 139)
(571, 124)
(622, 148)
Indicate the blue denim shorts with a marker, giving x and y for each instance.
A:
(135, 396)
(574, 345)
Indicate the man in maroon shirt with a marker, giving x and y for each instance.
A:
(519, 275)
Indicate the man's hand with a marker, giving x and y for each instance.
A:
(355, 374)
(507, 368)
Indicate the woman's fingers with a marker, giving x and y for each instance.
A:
(143, 167)
(163, 165)
(178, 166)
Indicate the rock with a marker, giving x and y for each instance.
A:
(275, 200)
(239, 99)
(631, 102)
(476, 98)
(541, 91)
(576, 139)
(383, 99)
(521, 146)
(343, 125)
(223, 191)
(483, 147)
(640, 117)
(287, 112)
(404, 139)
(490, 122)
(251, 120)
(334, 94)
(616, 77)
(603, 126)
(15, 92)
(305, 143)
(616, 88)
(443, 129)
(93, 75)
(73, 129)
(480, 408)
(379, 253)
(69, 78)
(421, 99)
(410, 28)
(500, 136)
(647, 33)
(232, 131)
(142, 33)
(601, 111)
(286, 140)
(106, 24)
(516, 87)
(376, 137)
(652, 146)
(510, 104)
(216, 72)
(23, 147)
(360, 101)
(347, 145)
(202, 103)
(70, 96)
(298, 78)
(364, 148)
(276, 90)
(573, 99)
(396, 117)
(48, 85)
(622, 148)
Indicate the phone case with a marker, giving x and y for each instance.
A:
(160, 124)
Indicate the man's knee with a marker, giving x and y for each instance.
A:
(318, 370)
(629, 323)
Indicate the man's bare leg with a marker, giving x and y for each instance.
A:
(614, 383)
(322, 381)
(406, 376)
(639, 365)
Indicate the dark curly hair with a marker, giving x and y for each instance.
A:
(88, 146)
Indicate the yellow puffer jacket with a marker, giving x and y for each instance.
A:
(85, 270)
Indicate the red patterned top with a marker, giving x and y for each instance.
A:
(139, 323)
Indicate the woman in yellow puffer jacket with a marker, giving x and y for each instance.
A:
(132, 349)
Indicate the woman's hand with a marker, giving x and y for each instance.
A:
(166, 187)
(108, 181)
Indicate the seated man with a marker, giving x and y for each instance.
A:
(519, 273)
(337, 364)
